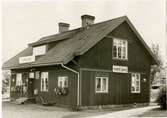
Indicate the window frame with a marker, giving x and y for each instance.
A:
(31, 75)
(37, 75)
(20, 83)
(139, 79)
(65, 78)
(122, 46)
(44, 89)
(107, 83)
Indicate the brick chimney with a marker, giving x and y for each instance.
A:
(87, 20)
(63, 27)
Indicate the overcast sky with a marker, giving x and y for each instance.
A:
(26, 22)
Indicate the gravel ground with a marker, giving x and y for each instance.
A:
(157, 112)
(11, 110)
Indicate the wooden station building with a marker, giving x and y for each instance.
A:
(106, 63)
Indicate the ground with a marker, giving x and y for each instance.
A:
(11, 110)
(154, 94)
(157, 112)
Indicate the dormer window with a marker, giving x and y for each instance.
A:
(39, 50)
(120, 49)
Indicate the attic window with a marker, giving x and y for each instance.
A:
(39, 50)
(120, 49)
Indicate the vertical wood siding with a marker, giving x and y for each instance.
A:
(100, 57)
(70, 98)
(54, 72)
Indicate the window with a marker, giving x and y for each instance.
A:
(135, 83)
(31, 75)
(19, 81)
(44, 81)
(101, 84)
(119, 49)
(62, 81)
(39, 50)
(37, 74)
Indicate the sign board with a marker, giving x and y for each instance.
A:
(120, 69)
(31, 75)
(39, 50)
(26, 59)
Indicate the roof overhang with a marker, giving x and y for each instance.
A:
(24, 66)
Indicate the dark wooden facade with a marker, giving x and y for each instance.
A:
(54, 72)
(98, 61)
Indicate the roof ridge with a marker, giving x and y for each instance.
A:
(110, 20)
(61, 33)
(90, 25)
(80, 28)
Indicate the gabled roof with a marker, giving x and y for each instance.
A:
(72, 43)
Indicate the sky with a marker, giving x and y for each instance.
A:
(25, 22)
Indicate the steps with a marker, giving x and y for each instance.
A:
(21, 100)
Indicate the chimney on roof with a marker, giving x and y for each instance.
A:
(63, 27)
(87, 20)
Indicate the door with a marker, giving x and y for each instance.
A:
(30, 87)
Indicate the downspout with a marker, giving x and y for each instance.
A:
(78, 87)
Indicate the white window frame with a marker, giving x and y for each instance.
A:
(135, 82)
(37, 74)
(39, 50)
(119, 44)
(31, 75)
(44, 77)
(19, 81)
(101, 91)
(62, 79)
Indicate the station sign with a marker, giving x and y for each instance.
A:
(27, 59)
(120, 69)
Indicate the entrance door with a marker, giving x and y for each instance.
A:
(30, 87)
(24, 86)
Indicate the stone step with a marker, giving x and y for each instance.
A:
(21, 100)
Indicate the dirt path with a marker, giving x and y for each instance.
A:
(11, 110)
(126, 113)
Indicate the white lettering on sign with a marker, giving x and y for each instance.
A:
(27, 59)
(120, 69)
(39, 50)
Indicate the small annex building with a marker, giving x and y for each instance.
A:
(106, 63)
